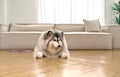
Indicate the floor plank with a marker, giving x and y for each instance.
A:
(82, 63)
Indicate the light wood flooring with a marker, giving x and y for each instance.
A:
(82, 63)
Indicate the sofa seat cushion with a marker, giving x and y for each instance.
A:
(88, 33)
(19, 40)
(89, 40)
(75, 40)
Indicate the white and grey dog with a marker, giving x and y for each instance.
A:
(51, 43)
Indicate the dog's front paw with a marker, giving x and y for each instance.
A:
(64, 55)
(38, 55)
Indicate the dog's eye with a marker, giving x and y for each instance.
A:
(54, 40)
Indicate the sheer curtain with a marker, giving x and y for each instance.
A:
(70, 11)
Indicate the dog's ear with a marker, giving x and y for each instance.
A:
(48, 34)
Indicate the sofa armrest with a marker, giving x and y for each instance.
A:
(115, 31)
(104, 28)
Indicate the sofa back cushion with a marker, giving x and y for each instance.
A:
(4, 28)
(70, 27)
(32, 27)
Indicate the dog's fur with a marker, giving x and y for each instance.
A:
(51, 43)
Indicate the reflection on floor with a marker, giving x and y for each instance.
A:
(82, 63)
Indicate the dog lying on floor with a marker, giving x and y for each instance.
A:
(51, 43)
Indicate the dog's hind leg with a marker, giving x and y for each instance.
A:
(37, 53)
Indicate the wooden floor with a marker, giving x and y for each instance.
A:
(83, 63)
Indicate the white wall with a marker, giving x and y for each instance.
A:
(22, 11)
(2, 12)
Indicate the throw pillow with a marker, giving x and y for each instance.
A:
(4, 28)
(92, 25)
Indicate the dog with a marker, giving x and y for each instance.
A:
(51, 43)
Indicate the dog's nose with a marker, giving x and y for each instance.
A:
(59, 46)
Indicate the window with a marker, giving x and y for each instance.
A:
(70, 11)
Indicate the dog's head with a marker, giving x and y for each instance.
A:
(54, 41)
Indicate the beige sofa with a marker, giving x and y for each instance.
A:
(25, 36)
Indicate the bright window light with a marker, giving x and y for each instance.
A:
(70, 11)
